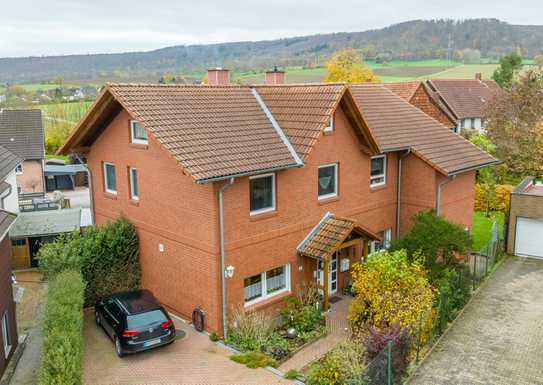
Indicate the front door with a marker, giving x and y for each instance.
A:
(332, 274)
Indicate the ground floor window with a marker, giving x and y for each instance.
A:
(267, 284)
(386, 236)
(6, 334)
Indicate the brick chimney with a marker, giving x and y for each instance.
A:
(218, 77)
(275, 76)
(478, 76)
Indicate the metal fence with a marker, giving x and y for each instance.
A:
(481, 262)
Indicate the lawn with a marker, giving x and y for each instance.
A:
(467, 71)
(482, 226)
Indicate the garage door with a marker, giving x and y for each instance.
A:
(529, 237)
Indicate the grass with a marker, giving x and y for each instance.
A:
(482, 226)
(254, 360)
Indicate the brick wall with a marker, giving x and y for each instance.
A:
(421, 100)
(7, 306)
(522, 205)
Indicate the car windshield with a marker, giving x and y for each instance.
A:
(145, 319)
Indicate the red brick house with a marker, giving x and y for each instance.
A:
(241, 193)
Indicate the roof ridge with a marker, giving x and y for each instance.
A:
(320, 84)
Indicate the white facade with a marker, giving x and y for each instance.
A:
(469, 123)
(9, 199)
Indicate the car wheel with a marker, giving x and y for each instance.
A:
(97, 318)
(118, 348)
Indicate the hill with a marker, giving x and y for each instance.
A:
(413, 40)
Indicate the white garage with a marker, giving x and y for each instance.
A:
(529, 237)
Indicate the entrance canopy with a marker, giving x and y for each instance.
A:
(331, 234)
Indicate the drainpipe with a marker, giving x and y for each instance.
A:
(90, 187)
(399, 191)
(439, 189)
(223, 267)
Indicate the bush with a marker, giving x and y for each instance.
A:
(250, 331)
(107, 256)
(343, 365)
(454, 289)
(293, 374)
(254, 360)
(63, 330)
(495, 200)
(276, 346)
(303, 317)
(213, 337)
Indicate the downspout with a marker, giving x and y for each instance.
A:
(223, 267)
(90, 188)
(399, 191)
(439, 189)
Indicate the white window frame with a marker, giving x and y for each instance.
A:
(19, 169)
(108, 190)
(264, 290)
(335, 193)
(6, 334)
(383, 175)
(133, 195)
(387, 238)
(133, 138)
(330, 126)
(267, 209)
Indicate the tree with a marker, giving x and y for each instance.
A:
(471, 56)
(538, 61)
(347, 66)
(509, 67)
(515, 126)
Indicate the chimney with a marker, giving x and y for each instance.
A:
(275, 76)
(478, 76)
(218, 77)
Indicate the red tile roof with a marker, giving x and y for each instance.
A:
(404, 90)
(466, 98)
(396, 125)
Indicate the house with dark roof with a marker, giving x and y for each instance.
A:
(242, 193)
(21, 132)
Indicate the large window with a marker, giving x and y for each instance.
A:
(110, 182)
(262, 193)
(138, 133)
(378, 170)
(386, 236)
(328, 181)
(6, 334)
(133, 176)
(268, 284)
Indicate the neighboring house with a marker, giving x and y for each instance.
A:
(8, 198)
(525, 227)
(421, 96)
(65, 177)
(263, 188)
(21, 132)
(467, 100)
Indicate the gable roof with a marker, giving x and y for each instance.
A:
(404, 90)
(397, 125)
(214, 132)
(8, 162)
(21, 132)
(466, 98)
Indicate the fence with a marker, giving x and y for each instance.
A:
(481, 262)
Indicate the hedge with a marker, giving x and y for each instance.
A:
(107, 256)
(63, 330)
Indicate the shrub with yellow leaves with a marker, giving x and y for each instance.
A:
(496, 200)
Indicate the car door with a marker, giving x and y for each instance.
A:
(112, 315)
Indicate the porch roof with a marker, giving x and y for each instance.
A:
(328, 235)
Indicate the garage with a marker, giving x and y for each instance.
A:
(529, 237)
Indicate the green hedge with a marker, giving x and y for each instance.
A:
(63, 330)
(107, 256)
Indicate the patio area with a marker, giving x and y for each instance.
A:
(338, 329)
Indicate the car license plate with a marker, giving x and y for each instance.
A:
(151, 343)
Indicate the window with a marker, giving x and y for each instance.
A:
(386, 236)
(133, 176)
(18, 242)
(6, 334)
(327, 181)
(110, 183)
(19, 169)
(266, 285)
(462, 124)
(262, 193)
(378, 170)
(115, 311)
(330, 125)
(138, 133)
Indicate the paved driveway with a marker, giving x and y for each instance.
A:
(498, 340)
(192, 360)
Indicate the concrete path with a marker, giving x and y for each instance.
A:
(192, 360)
(498, 339)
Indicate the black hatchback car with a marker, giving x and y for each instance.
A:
(135, 321)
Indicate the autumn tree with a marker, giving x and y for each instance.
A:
(346, 66)
(505, 74)
(515, 126)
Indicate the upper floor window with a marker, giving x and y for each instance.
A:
(138, 133)
(133, 177)
(378, 170)
(19, 168)
(330, 125)
(262, 193)
(110, 182)
(328, 181)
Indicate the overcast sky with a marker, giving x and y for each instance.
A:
(60, 27)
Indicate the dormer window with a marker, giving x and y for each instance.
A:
(137, 133)
(330, 125)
